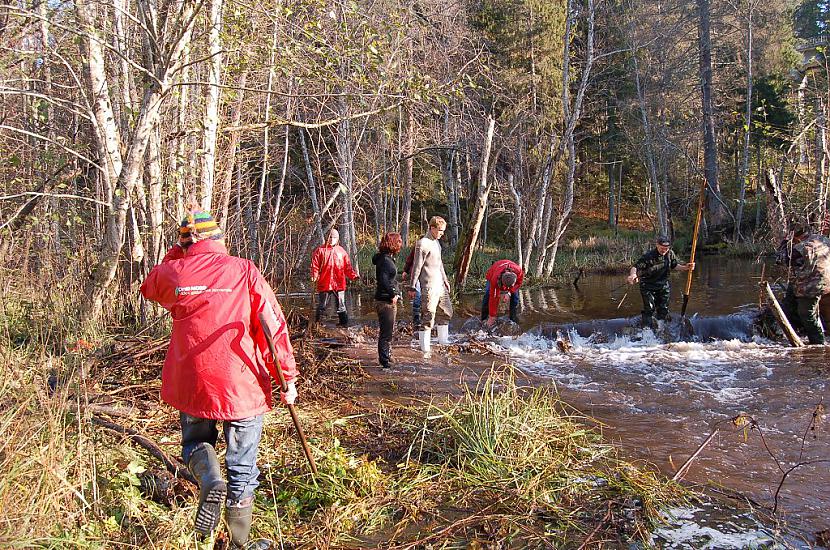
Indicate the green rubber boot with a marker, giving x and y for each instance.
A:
(239, 529)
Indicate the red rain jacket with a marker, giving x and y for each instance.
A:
(330, 265)
(218, 365)
(493, 275)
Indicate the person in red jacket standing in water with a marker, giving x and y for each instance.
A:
(503, 280)
(219, 368)
(330, 267)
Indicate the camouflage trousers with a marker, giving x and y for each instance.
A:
(655, 302)
(802, 312)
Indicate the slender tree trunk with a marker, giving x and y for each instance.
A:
(649, 150)
(464, 254)
(821, 162)
(211, 119)
(574, 114)
(710, 144)
(517, 216)
(409, 150)
(448, 160)
(311, 187)
(743, 181)
(155, 204)
(775, 211)
(226, 179)
(132, 166)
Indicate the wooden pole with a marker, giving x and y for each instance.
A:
(700, 202)
(782, 318)
(284, 387)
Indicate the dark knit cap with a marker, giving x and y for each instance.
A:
(662, 239)
(199, 225)
(507, 279)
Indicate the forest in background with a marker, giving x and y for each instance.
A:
(508, 117)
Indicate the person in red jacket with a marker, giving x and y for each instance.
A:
(218, 366)
(330, 267)
(503, 280)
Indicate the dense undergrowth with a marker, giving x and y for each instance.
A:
(502, 464)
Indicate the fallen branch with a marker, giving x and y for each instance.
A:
(685, 466)
(173, 466)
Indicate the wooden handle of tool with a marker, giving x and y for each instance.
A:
(269, 338)
(696, 231)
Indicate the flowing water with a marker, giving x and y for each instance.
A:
(660, 397)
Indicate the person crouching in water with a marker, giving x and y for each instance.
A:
(386, 294)
(807, 257)
(219, 368)
(503, 281)
(428, 270)
(652, 271)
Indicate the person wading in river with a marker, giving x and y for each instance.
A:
(386, 294)
(503, 281)
(330, 267)
(218, 367)
(807, 256)
(652, 271)
(428, 270)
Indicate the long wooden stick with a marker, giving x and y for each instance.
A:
(284, 387)
(685, 467)
(700, 201)
(789, 332)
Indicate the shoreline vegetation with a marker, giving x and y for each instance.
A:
(496, 463)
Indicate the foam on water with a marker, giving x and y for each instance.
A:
(704, 529)
(723, 370)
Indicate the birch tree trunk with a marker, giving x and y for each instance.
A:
(464, 254)
(155, 206)
(819, 209)
(517, 216)
(744, 178)
(775, 211)
(132, 166)
(575, 114)
(211, 118)
(710, 144)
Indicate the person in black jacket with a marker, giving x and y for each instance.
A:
(386, 294)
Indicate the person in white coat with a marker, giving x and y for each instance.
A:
(428, 271)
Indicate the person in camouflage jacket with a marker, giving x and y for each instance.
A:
(807, 257)
(652, 272)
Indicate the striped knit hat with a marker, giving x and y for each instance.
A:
(199, 225)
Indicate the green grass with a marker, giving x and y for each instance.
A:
(504, 464)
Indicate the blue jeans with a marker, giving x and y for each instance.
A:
(416, 305)
(485, 304)
(242, 441)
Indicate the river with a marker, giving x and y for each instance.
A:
(660, 400)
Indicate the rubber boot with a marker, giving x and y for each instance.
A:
(204, 465)
(239, 528)
(343, 319)
(424, 341)
(443, 334)
(649, 322)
